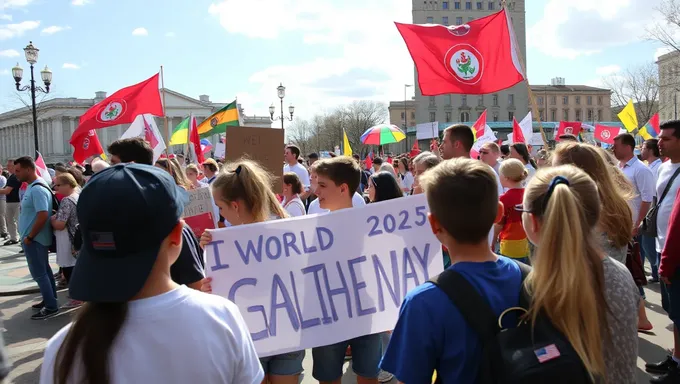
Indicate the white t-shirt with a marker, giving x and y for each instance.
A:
(666, 171)
(299, 170)
(314, 208)
(407, 182)
(642, 179)
(182, 336)
(295, 207)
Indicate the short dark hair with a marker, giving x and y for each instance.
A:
(356, 157)
(211, 165)
(626, 139)
(60, 168)
(672, 124)
(132, 150)
(341, 170)
(567, 137)
(463, 196)
(25, 162)
(505, 149)
(292, 179)
(377, 161)
(653, 145)
(463, 134)
(313, 155)
(294, 150)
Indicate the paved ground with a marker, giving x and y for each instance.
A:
(26, 338)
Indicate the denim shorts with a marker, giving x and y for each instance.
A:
(366, 355)
(670, 298)
(285, 364)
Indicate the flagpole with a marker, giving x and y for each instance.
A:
(165, 118)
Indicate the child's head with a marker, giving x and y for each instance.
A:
(463, 199)
(512, 173)
(243, 193)
(337, 180)
(291, 184)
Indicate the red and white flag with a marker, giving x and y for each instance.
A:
(476, 58)
(195, 141)
(605, 134)
(41, 168)
(479, 128)
(568, 128)
(86, 145)
(145, 127)
(517, 134)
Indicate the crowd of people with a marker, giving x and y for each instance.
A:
(568, 228)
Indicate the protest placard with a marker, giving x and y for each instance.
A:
(263, 145)
(317, 280)
(199, 212)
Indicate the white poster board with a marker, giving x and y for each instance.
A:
(426, 131)
(314, 280)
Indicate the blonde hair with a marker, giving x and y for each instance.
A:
(68, 179)
(616, 218)
(192, 167)
(172, 167)
(513, 170)
(247, 181)
(567, 280)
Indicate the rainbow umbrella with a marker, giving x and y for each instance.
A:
(382, 134)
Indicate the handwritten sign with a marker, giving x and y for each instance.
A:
(317, 280)
(198, 213)
(259, 144)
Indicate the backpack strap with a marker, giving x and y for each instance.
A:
(524, 296)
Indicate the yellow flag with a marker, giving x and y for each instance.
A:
(645, 135)
(628, 117)
(346, 149)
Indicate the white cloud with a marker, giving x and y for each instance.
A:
(570, 29)
(14, 3)
(4, 72)
(80, 2)
(51, 30)
(70, 66)
(8, 31)
(6, 17)
(9, 53)
(607, 70)
(170, 34)
(140, 32)
(370, 59)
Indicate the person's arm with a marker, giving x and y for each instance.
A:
(6, 190)
(670, 256)
(645, 183)
(189, 267)
(306, 185)
(61, 218)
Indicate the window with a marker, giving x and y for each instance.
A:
(402, 115)
(456, 5)
(565, 100)
(450, 100)
(599, 100)
(433, 117)
(565, 115)
(432, 103)
(578, 100)
(463, 101)
(413, 115)
(459, 20)
(511, 115)
(553, 100)
(464, 117)
(511, 99)
(578, 115)
(445, 20)
(445, 5)
(480, 101)
(479, 6)
(448, 117)
(590, 115)
(495, 100)
(541, 115)
(599, 115)
(589, 100)
(430, 20)
(495, 116)
(491, 5)
(553, 115)
(468, 5)
(539, 100)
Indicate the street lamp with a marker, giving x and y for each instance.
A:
(46, 75)
(281, 92)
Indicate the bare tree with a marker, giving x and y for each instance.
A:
(640, 84)
(667, 31)
(300, 134)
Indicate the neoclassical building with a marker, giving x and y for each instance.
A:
(59, 117)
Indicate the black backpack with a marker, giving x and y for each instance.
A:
(55, 208)
(514, 355)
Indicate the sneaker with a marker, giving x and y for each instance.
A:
(4, 235)
(11, 242)
(671, 377)
(45, 313)
(62, 284)
(385, 377)
(661, 367)
(72, 304)
(39, 305)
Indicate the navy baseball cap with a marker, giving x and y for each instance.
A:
(124, 212)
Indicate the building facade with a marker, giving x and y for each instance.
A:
(669, 85)
(502, 106)
(561, 102)
(402, 112)
(59, 117)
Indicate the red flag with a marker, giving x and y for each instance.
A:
(369, 160)
(479, 127)
(605, 133)
(122, 107)
(415, 150)
(195, 141)
(473, 59)
(86, 145)
(517, 135)
(568, 128)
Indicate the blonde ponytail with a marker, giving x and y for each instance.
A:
(567, 281)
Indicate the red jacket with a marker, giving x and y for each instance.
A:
(670, 256)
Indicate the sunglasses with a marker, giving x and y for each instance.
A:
(520, 208)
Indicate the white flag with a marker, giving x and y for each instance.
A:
(526, 125)
(145, 127)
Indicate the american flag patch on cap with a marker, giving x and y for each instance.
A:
(103, 241)
(547, 353)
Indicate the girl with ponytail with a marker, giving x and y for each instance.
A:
(589, 297)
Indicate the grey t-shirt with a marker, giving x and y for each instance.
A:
(622, 298)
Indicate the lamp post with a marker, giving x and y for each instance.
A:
(281, 92)
(46, 75)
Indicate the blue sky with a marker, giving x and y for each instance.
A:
(327, 52)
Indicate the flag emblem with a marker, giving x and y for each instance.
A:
(86, 143)
(547, 353)
(569, 130)
(112, 111)
(605, 134)
(213, 122)
(459, 30)
(464, 63)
